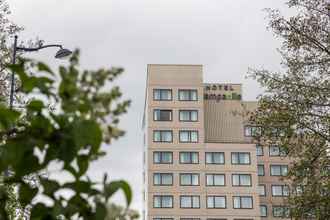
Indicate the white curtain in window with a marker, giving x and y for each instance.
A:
(246, 202)
(219, 202)
(184, 136)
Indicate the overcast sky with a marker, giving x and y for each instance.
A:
(226, 36)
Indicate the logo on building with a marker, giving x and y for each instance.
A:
(220, 92)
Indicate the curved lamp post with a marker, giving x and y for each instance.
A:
(61, 53)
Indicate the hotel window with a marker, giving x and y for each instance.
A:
(263, 210)
(214, 158)
(189, 158)
(280, 190)
(188, 115)
(281, 212)
(163, 157)
(260, 150)
(188, 136)
(216, 202)
(162, 115)
(252, 131)
(189, 179)
(241, 180)
(261, 170)
(278, 170)
(191, 202)
(215, 179)
(163, 179)
(187, 94)
(275, 150)
(242, 202)
(241, 158)
(262, 190)
(163, 136)
(163, 201)
(162, 94)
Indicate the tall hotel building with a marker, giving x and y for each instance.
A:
(200, 161)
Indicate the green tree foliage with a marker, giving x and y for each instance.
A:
(86, 116)
(116, 212)
(7, 31)
(295, 108)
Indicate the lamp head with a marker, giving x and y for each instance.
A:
(62, 53)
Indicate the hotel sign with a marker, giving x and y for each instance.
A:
(220, 92)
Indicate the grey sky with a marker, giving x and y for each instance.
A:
(226, 36)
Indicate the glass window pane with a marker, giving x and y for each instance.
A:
(246, 202)
(244, 158)
(157, 202)
(260, 150)
(219, 202)
(156, 135)
(194, 115)
(262, 190)
(263, 211)
(237, 202)
(218, 158)
(167, 179)
(156, 115)
(166, 95)
(157, 179)
(167, 157)
(209, 180)
(185, 202)
(167, 202)
(210, 202)
(193, 95)
(284, 170)
(183, 95)
(275, 170)
(245, 180)
(219, 180)
(185, 179)
(194, 136)
(208, 157)
(234, 158)
(195, 179)
(184, 136)
(235, 179)
(195, 201)
(261, 170)
(156, 157)
(157, 94)
(184, 157)
(194, 157)
(184, 115)
(276, 190)
(167, 136)
(286, 190)
(165, 115)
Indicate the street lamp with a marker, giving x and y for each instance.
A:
(61, 53)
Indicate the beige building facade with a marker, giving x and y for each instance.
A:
(200, 160)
